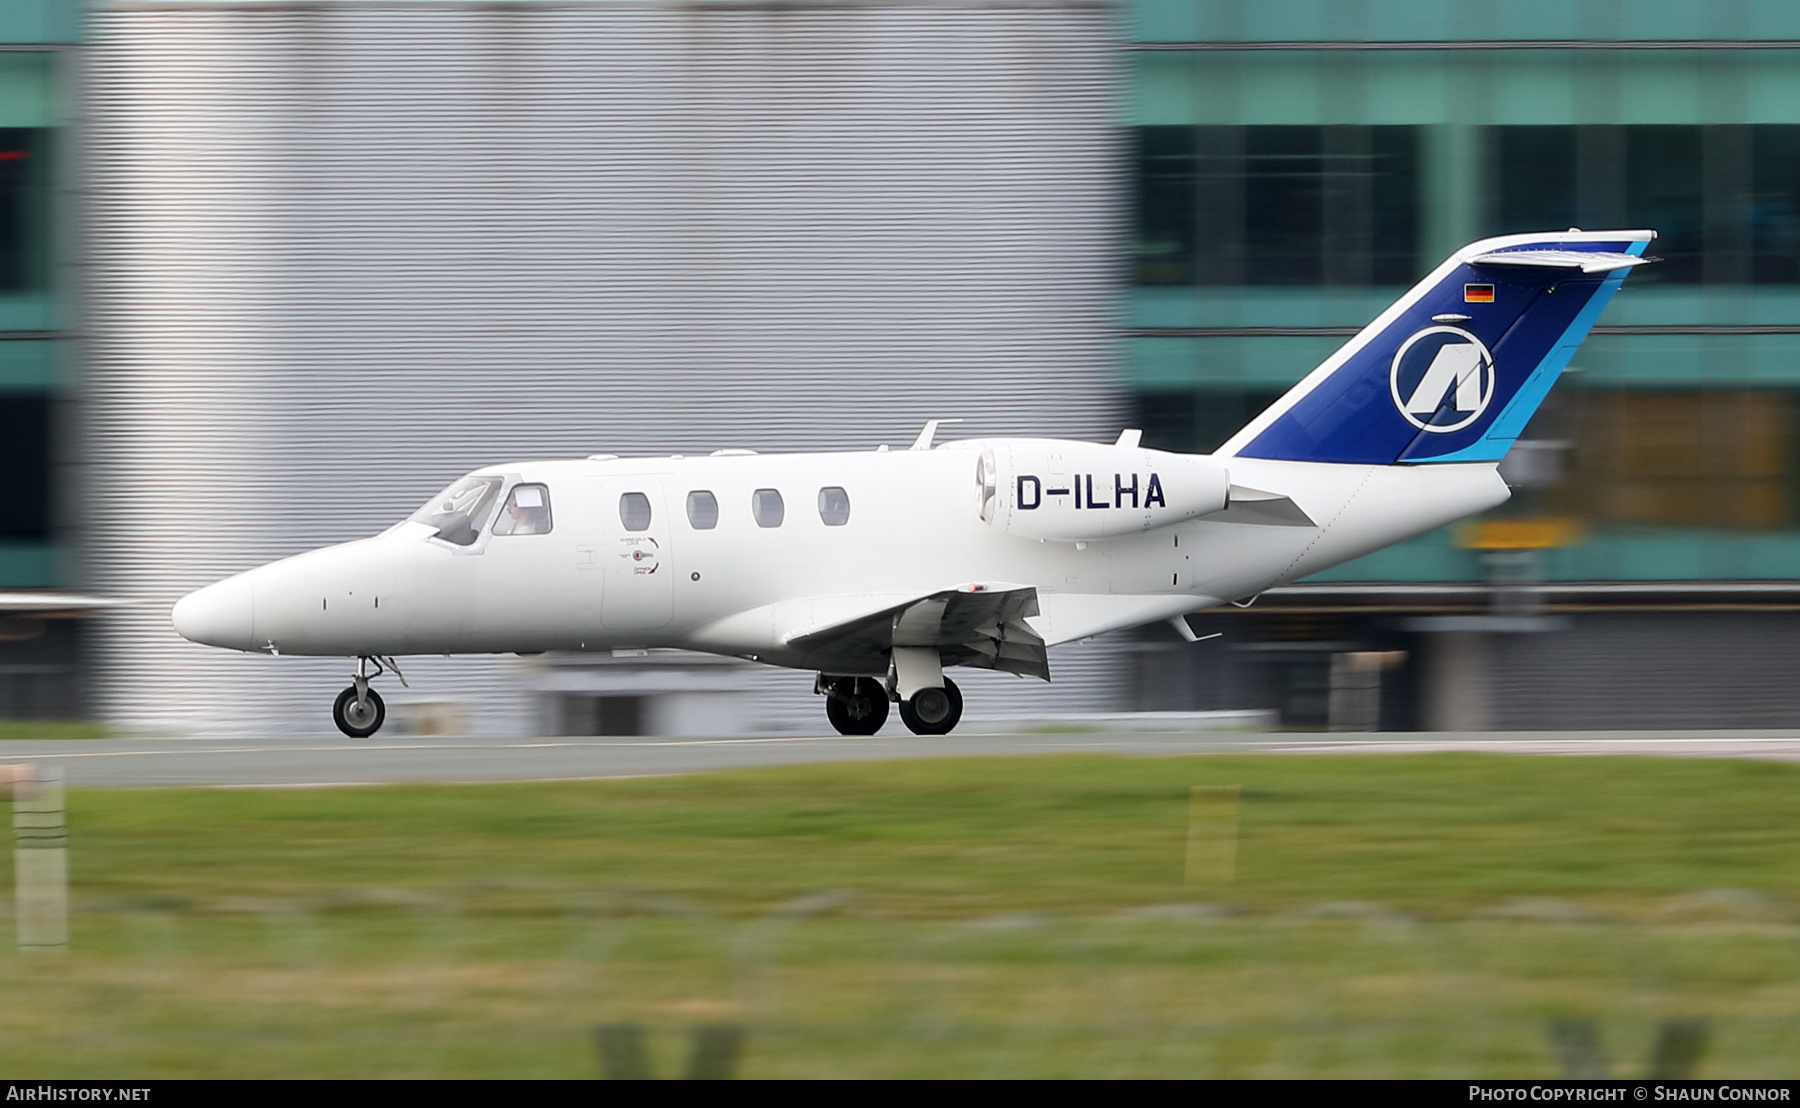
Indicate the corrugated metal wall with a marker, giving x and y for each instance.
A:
(1649, 670)
(343, 253)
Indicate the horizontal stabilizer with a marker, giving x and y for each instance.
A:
(1268, 509)
(1600, 262)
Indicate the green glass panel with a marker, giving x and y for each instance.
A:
(1430, 557)
(1279, 88)
(27, 22)
(27, 312)
(1163, 90)
(28, 565)
(1513, 87)
(1409, 88)
(1673, 556)
(1688, 361)
(1533, 88)
(1327, 306)
(27, 87)
(28, 366)
(1772, 87)
(1177, 364)
(1434, 20)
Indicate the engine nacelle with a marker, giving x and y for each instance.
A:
(1078, 492)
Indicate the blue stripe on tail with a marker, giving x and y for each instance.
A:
(1457, 388)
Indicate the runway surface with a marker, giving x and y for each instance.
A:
(300, 763)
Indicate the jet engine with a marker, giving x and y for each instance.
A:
(1078, 492)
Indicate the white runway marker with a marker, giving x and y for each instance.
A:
(40, 858)
(1212, 834)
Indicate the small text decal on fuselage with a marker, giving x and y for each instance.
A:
(1088, 496)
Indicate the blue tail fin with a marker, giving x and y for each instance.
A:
(1456, 367)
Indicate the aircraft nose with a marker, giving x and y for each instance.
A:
(217, 615)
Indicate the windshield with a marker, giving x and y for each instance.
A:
(459, 511)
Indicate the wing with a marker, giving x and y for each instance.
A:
(980, 625)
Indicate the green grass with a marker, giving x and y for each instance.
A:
(1396, 915)
(51, 729)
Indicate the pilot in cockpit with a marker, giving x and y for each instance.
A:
(527, 512)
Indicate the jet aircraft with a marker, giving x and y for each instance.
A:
(877, 570)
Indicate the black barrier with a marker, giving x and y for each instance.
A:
(1680, 1044)
(625, 1056)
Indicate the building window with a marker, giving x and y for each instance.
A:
(1198, 421)
(25, 455)
(766, 506)
(1724, 200)
(1774, 205)
(834, 506)
(527, 512)
(1277, 205)
(24, 208)
(1167, 203)
(1684, 459)
(634, 511)
(702, 510)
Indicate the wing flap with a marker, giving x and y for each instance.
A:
(979, 624)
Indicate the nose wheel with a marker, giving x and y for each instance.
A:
(359, 716)
(933, 711)
(359, 710)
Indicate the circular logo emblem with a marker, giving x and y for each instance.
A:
(1442, 379)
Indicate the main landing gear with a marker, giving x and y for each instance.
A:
(933, 711)
(359, 711)
(854, 705)
(859, 706)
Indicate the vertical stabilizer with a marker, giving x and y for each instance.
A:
(1456, 367)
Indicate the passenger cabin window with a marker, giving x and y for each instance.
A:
(766, 506)
(834, 506)
(634, 511)
(459, 511)
(703, 510)
(527, 512)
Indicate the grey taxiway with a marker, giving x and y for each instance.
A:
(299, 763)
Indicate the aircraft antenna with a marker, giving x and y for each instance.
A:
(923, 442)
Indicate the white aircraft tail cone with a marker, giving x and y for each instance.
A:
(217, 615)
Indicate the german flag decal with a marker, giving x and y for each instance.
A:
(1478, 294)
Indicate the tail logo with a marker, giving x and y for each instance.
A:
(1442, 379)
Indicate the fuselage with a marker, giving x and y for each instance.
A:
(739, 553)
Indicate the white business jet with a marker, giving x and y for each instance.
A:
(878, 570)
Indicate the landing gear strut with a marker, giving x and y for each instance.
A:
(933, 711)
(360, 711)
(854, 705)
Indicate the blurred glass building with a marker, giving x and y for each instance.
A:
(331, 255)
(40, 621)
(1296, 164)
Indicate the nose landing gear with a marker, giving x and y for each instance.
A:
(359, 711)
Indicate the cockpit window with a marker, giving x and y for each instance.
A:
(634, 511)
(459, 511)
(527, 512)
